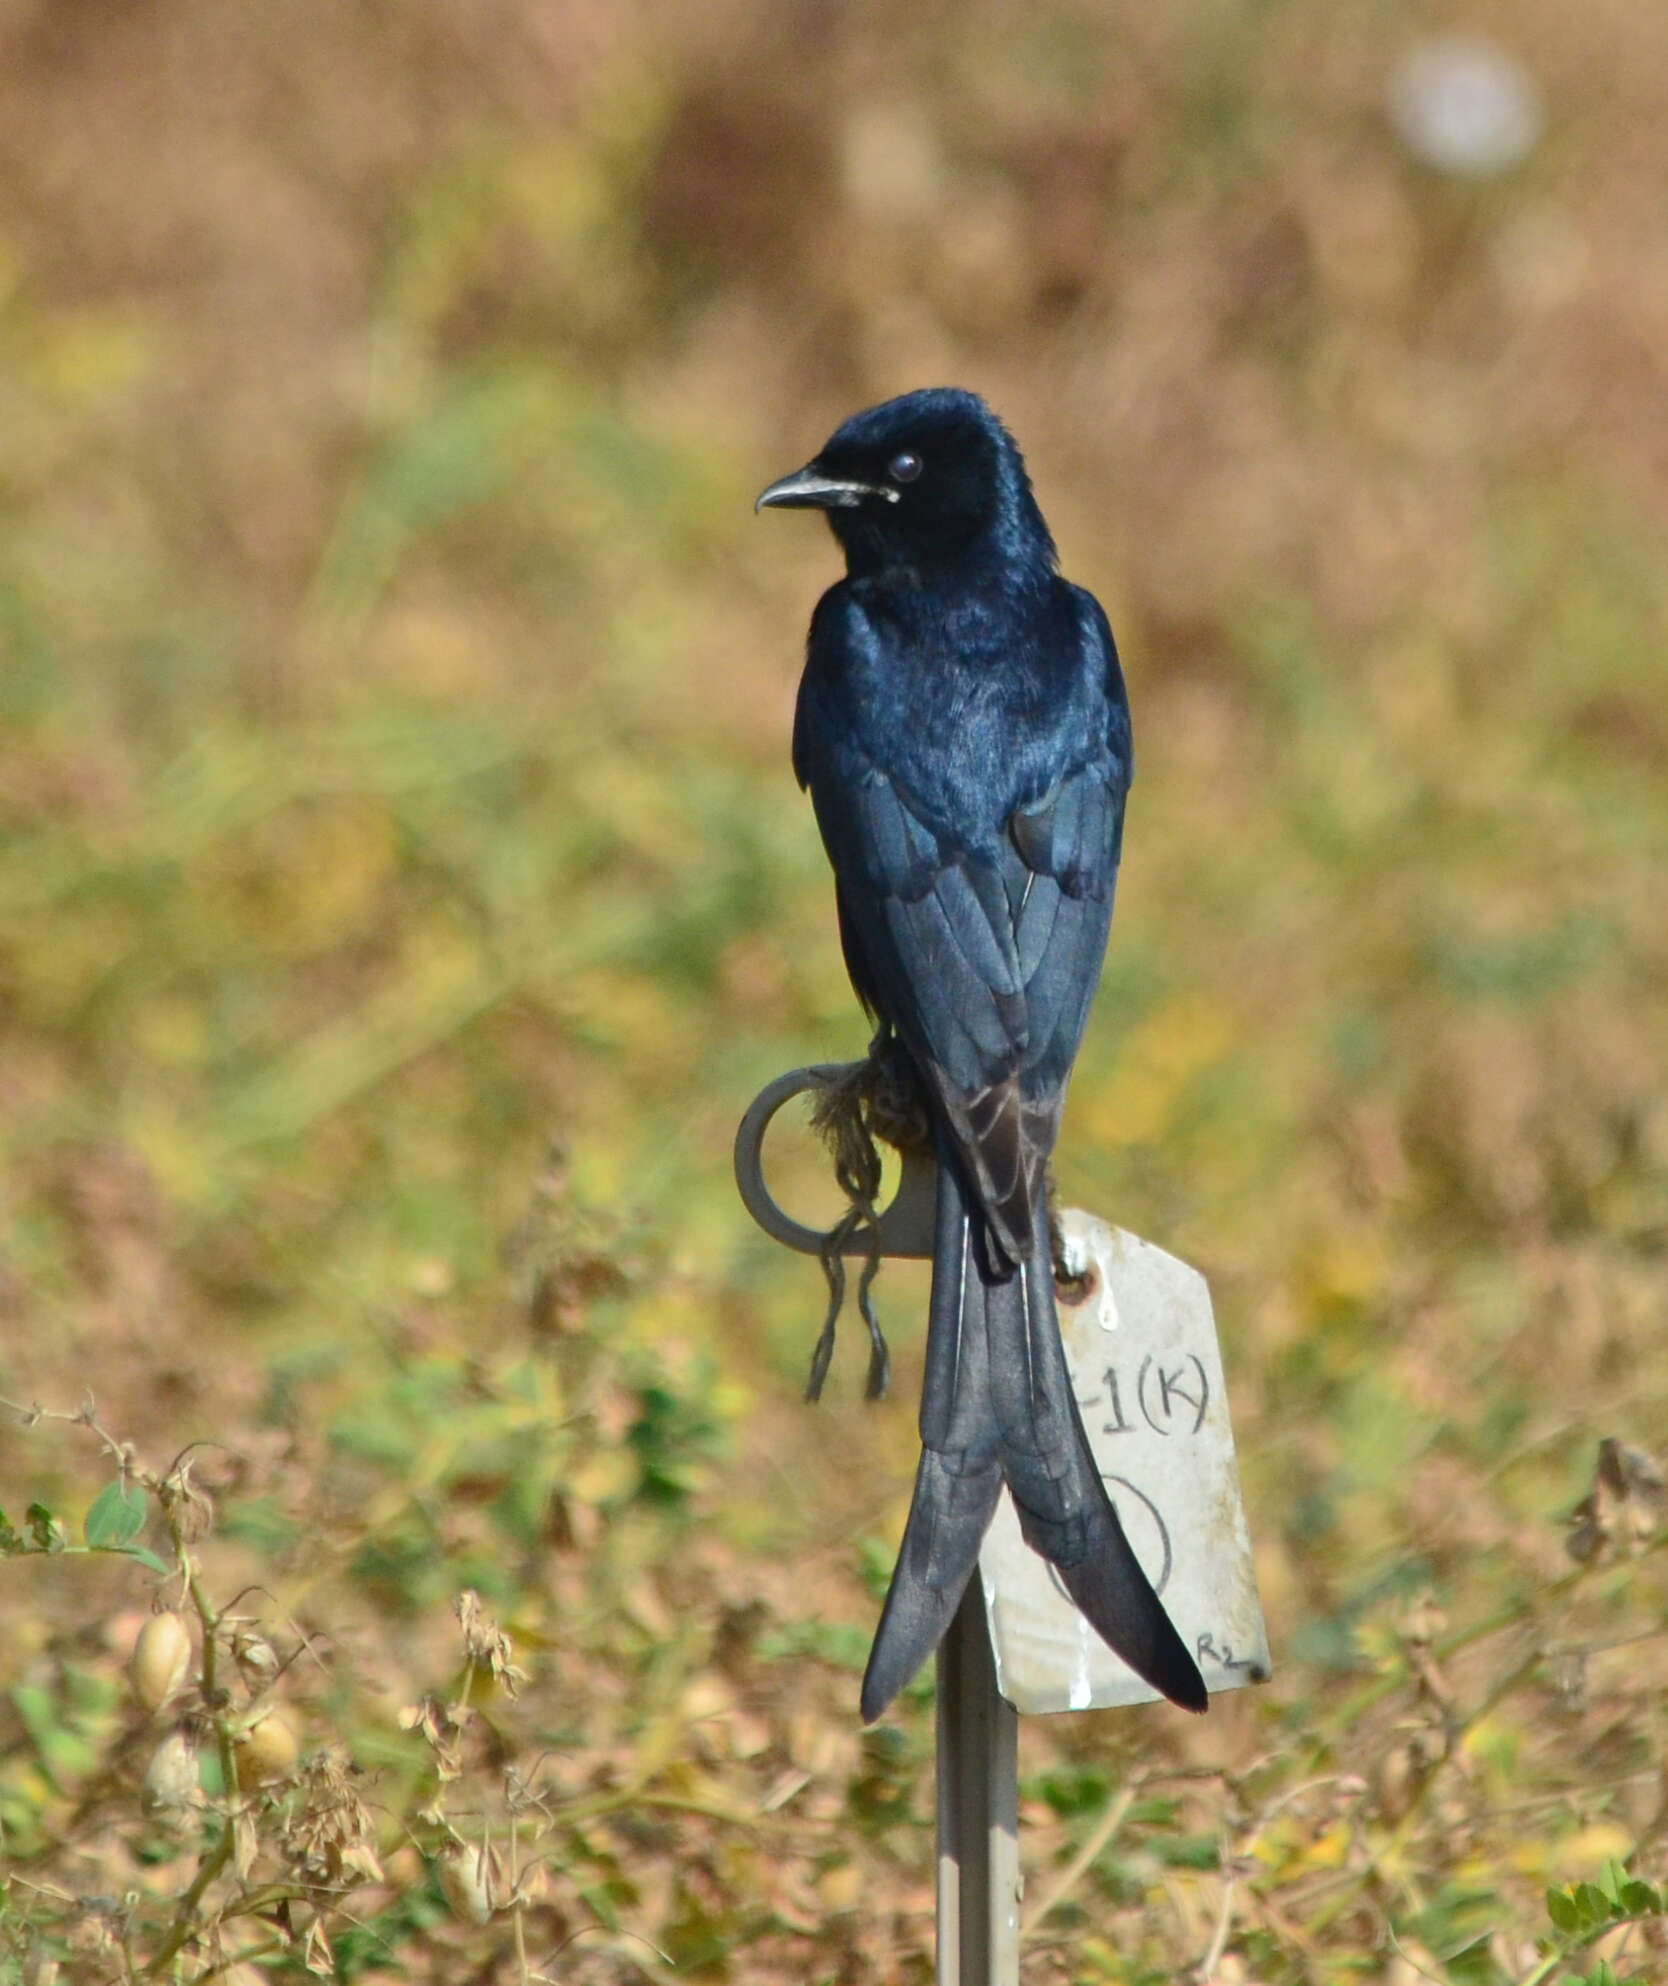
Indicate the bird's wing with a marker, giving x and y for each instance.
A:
(984, 961)
(1063, 872)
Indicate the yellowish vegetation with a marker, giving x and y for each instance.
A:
(403, 889)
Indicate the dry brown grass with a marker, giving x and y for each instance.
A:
(393, 719)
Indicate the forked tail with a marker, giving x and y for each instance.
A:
(997, 1405)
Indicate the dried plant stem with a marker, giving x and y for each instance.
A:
(1102, 1832)
(184, 1925)
(247, 1957)
(518, 1921)
(185, 1911)
(1220, 1936)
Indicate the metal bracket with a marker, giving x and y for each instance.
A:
(906, 1224)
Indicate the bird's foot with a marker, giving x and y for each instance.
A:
(858, 1215)
(876, 1099)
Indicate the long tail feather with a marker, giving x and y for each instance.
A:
(960, 1476)
(1064, 1510)
(997, 1404)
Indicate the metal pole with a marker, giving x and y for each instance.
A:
(978, 1732)
(978, 1808)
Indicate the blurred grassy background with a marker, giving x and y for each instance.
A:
(395, 692)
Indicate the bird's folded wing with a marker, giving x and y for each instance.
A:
(984, 960)
(1065, 870)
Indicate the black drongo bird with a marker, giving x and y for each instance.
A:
(963, 730)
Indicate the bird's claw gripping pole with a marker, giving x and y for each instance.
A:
(978, 1731)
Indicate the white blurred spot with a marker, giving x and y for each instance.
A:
(1080, 1692)
(1462, 105)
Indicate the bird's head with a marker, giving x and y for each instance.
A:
(922, 481)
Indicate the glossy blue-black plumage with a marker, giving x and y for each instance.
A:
(964, 733)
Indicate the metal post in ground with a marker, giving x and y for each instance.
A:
(978, 1808)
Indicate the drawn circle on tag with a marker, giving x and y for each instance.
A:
(1148, 1534)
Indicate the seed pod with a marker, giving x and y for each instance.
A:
(266, 1752)
(171, 1777)
(1396, 1778)
(463, 1882)
(160, 1658)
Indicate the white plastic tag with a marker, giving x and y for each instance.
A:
(1144, 1359)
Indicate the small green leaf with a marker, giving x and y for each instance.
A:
(45, 1531)
(149, 1560)
(1592, 1902)
(116, 1516)
(1640, 1899)
(1560, 1907)
(10, 1542)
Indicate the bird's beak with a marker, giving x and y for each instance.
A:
(811, 489)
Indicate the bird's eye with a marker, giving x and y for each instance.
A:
(906, 467)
